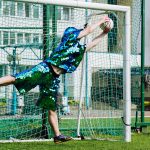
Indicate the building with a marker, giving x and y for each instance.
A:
(21, 35)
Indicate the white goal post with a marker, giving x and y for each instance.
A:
(126, 53)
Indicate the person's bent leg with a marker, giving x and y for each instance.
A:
(48, 99)
(53, 121)
(7, 80)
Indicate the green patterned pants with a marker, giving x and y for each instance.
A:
(44, 76)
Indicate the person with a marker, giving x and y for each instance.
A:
(64, 59)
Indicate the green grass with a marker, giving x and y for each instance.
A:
(139, 142)
(23, 128)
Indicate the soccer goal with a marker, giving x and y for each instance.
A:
(95, 100)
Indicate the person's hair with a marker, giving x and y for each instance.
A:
(85, 25)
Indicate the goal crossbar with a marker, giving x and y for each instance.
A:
(79, 4)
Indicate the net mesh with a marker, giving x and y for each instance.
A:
(98, 81)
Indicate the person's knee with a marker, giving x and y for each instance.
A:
(7, 80)
(13, 79)
(51, 112)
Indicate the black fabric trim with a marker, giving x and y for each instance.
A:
(52, 70)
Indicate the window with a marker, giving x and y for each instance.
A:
(12, 8)
(20, 9)
(5, 38)
(35, 11)
(65, 13)
(35, 38)
(12, 38)
(6, 8)
(72, 14)
(2, 71)
(27, 38)
(59, 10)
(20, 38)
(27, 10)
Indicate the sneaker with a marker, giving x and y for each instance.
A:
(61, 138)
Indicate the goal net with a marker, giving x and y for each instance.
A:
(92, 100)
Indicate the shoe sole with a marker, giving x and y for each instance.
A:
(58, 142)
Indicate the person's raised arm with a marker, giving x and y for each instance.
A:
(95, 41)
(91, 28)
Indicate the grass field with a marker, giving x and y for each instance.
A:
(26, 127)
(139, 142)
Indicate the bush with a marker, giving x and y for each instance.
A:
(3, 100)
(2, 104)
(73, 102)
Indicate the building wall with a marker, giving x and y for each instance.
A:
(62, 24)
